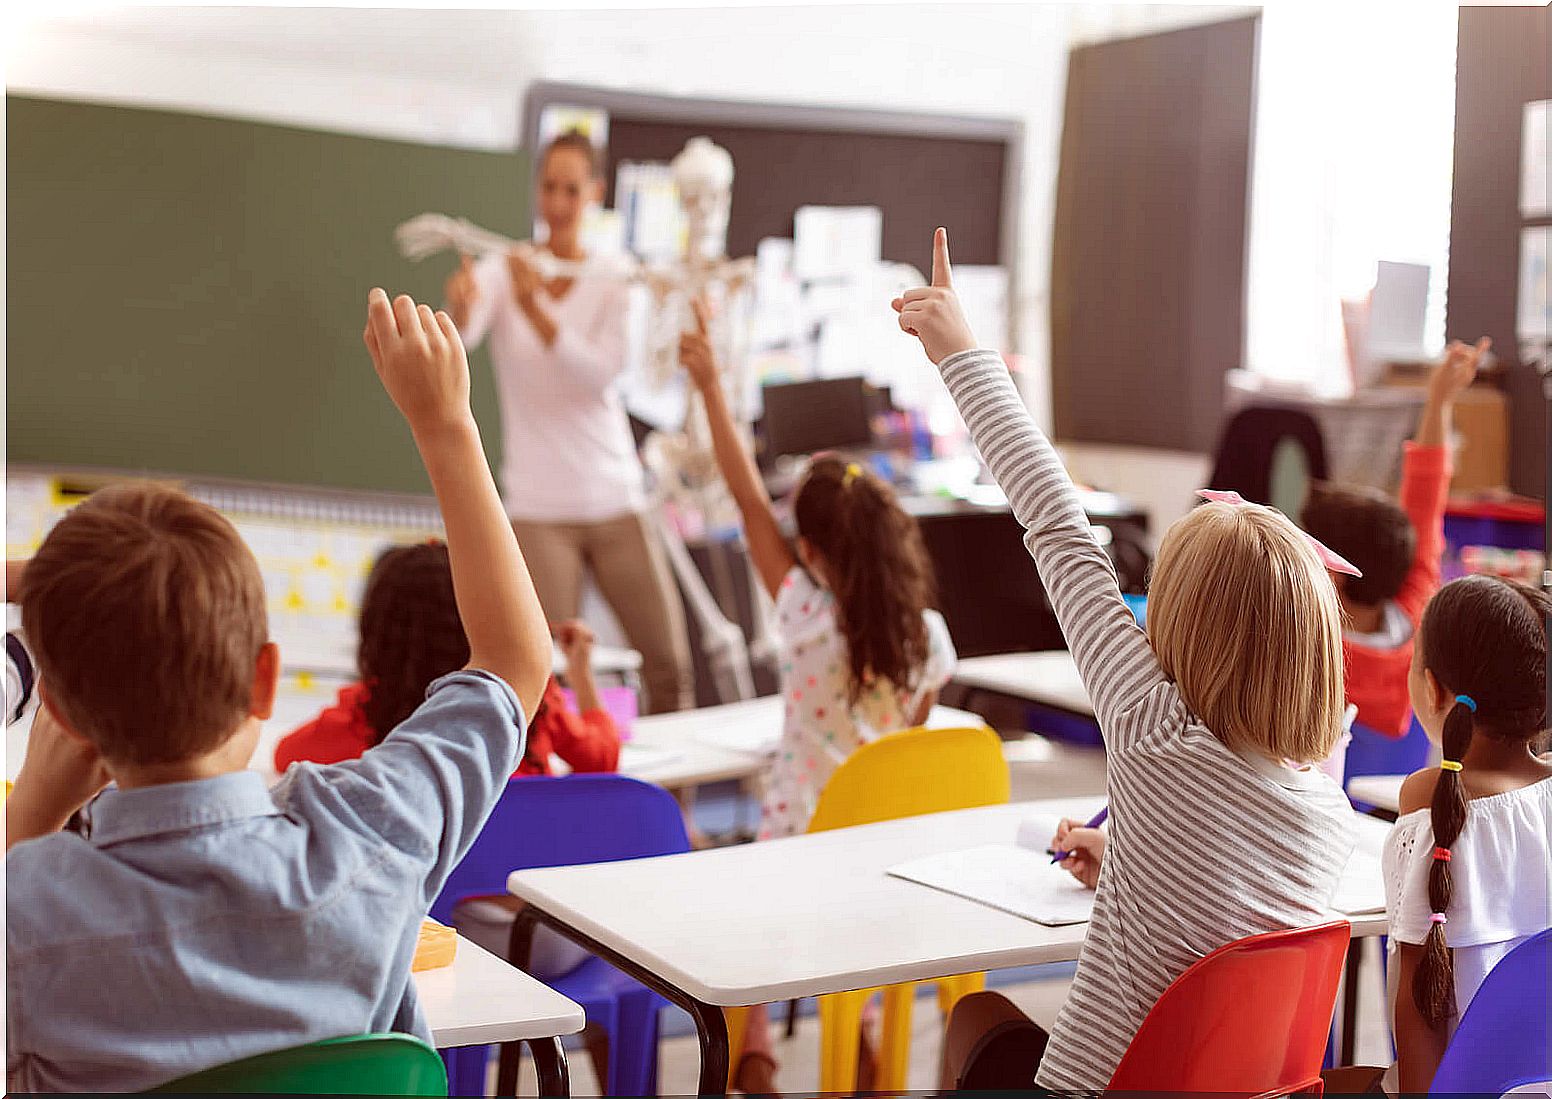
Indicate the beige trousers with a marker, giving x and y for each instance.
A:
(627, 562)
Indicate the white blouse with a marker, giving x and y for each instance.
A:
(567, 453)
(1501, 873)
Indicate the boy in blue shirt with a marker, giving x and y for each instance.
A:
(199, 917)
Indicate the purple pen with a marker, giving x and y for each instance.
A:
(1094, 822)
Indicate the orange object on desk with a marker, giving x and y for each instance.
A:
(435, 948)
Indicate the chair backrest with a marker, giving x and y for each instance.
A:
(367, 1064)
(1504, 1040)
(1373, 753)
(913, 772)
(1250, 1019)
(564, 821)
(1248, 453)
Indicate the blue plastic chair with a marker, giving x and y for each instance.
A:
(542, 821)
(1504, 1041)
(1372, 753)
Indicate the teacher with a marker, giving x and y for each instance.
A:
(571, 479)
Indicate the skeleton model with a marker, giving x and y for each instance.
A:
(682, 466)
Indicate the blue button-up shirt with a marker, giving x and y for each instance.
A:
(201, 922)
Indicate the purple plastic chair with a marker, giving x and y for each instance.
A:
(1504, 1041)
(1372, 753)
(542, 821)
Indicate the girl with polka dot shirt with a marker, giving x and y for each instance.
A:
(862, 654)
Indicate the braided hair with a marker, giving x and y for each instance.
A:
(1484, 639)
(877, 569)
(410, 632)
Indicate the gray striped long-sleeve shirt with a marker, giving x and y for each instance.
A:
(1205, 846)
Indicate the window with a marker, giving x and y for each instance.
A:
(1354, 145)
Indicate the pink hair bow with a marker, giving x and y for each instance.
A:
(1334, 562)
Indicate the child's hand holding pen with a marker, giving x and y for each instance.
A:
(1080, 849)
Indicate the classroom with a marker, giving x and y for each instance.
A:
(779, 548)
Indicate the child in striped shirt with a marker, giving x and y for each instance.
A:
(1220, 827)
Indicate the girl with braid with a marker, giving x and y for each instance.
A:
(862, 653)
(1468, 868)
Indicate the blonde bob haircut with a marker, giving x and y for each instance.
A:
(1245, 620)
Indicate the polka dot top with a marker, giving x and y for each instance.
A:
(820, 725)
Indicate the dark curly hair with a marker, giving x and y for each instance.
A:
(1369, 529)
(878, 571)
(410, 632)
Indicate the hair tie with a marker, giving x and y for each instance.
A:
(853, 471)
(1442, 854)
(1449, 764)
(1438, 917)
(1468, 702)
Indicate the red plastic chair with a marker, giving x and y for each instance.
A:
(1250, 1019)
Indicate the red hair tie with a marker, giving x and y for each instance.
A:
(1442, 854)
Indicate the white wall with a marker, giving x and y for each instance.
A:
(458, 77)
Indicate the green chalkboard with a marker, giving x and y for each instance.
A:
(186, 294)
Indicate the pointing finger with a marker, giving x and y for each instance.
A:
(942, 273)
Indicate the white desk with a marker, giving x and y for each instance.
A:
(1380, 791)
(825, 915)
(480, 1000)
(719, 743)
(1049, 678)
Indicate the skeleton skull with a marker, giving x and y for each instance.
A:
(703, 174)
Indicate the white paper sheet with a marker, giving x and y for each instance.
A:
(1534, 316)
(1535, 187)
(1362, 886)
(640, 757)
(754, 737)
(1015, 880)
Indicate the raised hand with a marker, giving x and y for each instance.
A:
(1459, 368)
(695, 352)
(461, 291)
(575, 639)
(420, 361)
(1450, 379)
(932, 313)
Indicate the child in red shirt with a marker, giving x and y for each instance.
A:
(410, 636)
(1397, 546)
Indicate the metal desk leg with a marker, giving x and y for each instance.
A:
(710, 1024)
(1350, 1000)
(550, 1061)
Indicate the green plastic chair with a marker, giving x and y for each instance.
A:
(365, 1064)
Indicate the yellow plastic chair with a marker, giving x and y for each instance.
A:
(904, 774)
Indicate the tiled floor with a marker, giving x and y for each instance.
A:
(1039, 992)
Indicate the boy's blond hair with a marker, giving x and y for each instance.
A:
(145, 610)
(1245, 620)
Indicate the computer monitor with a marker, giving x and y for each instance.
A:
(829, 414)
